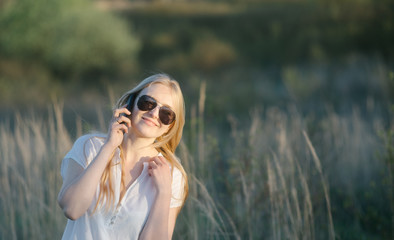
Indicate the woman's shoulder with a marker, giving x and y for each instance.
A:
(95, 138)
(88, 143)
(83, 150)
(177, 168)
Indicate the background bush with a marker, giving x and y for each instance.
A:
(69, 43)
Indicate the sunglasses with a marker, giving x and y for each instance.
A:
(148, 103)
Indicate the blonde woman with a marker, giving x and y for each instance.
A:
(128, 184)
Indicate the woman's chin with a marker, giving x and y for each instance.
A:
(147, 132)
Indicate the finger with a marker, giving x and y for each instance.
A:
(124, 119)
(115, 123)
(163, 160)
(151, 172)
(122, 128)
(119, 111)
(152, 165)
(157, 161)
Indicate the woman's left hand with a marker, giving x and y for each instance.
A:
(160, 171)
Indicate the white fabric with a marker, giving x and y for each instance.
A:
(127, 220)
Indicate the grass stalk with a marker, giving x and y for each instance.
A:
(325, 185)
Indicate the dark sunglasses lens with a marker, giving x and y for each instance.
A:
(166, 115)
(146, 103)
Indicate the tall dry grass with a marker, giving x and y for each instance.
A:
(270, 178)
(274, 162)
(30, 161)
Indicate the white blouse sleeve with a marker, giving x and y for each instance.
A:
(177, 188)
(83, 152)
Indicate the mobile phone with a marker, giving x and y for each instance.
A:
(130, 102)
(129, 106)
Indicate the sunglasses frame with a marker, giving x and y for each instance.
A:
(163, 110)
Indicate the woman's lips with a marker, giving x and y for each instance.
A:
(149, 121)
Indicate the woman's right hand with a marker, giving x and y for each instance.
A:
(119, 125)
(80, 185)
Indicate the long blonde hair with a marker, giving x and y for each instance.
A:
(165, 144)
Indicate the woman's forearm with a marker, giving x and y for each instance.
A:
(156, 226)
(76, 197)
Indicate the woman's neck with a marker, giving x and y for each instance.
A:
(134, 148)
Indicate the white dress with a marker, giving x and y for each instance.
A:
(127, 219)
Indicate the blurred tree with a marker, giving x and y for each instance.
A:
(69, 38)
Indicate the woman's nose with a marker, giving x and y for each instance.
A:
(155, 112)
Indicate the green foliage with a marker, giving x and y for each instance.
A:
(24, 85)
(387, 156)
(301, 85)
(70, 38)
(273, 32)
(210, 53)
(178, 50)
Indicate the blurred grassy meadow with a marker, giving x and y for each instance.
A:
(289, 131)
